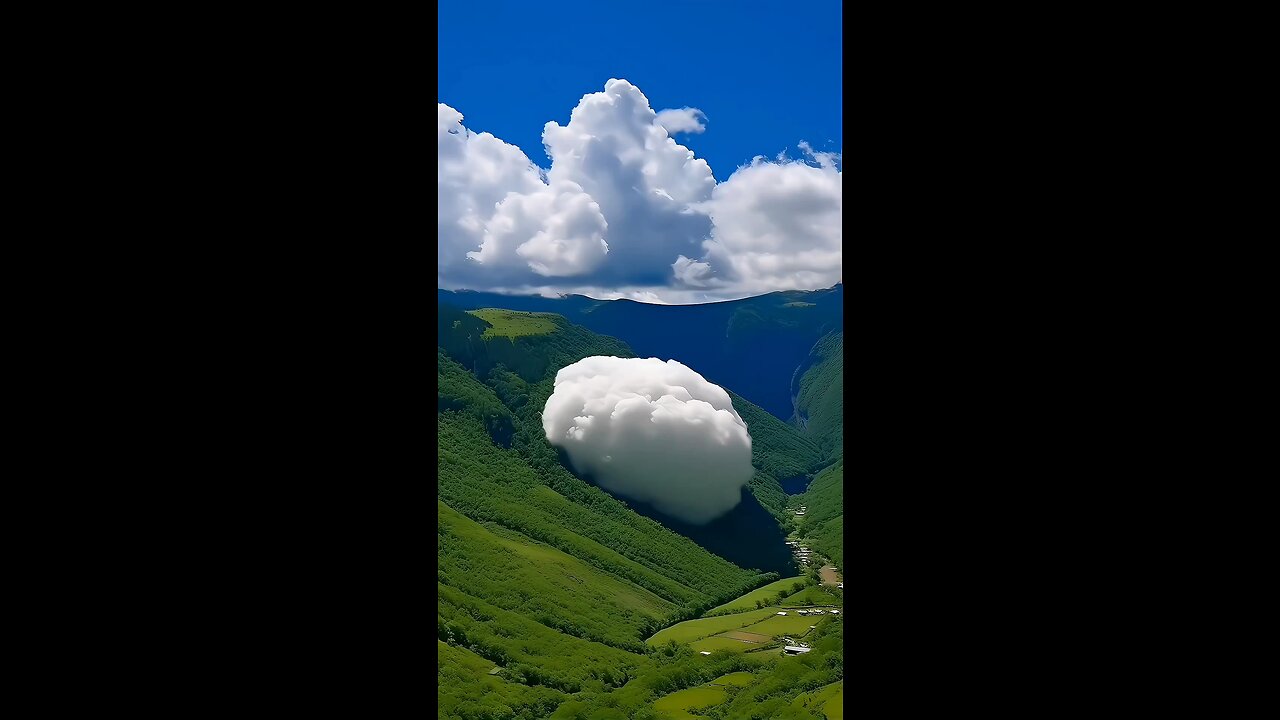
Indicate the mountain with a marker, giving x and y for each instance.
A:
(818, 394)
(549, 585)
(518, 372)
(753, 345)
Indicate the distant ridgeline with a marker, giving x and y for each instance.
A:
(753, 346)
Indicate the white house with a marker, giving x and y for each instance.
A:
(782, 613)
(835, 612)
(794, 650)
(704, 652)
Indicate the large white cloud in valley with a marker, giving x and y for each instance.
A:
(626, 211)
(651, 431)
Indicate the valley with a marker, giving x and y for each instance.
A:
(560, 599)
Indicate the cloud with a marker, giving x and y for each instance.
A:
(626, 211)
(776, 226)
(648, 186)
(651, 431)
(498, 221)
(684, 120)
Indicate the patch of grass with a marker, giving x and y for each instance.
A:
(513, 324)
(768, 592)
(691, 630)
(679, 703)
(741, 679)
(834, 708)
(811, 596)
(789, 624)
(717, 642)
(828, 700)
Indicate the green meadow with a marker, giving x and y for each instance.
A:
(691, 630)
(768, 593)
(512, 323)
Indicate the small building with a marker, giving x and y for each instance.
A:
(835, 612)
(703, 652)
(813, 627)
(782, 613)
(794, 650)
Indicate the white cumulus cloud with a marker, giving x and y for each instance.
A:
(499, 222)
(651, 431)
(776, 226)
(625, 210)
(686, 120)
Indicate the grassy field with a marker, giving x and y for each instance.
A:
(748, 601)
(834, 708)
(691, 630)
(783, 625)
(811, 596)
(828, 700)
(512, 324)
(741, 679)
(679, 703)
(717, 642)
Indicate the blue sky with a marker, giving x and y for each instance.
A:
(767, 74)
(632, 201)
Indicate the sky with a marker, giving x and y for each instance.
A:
(689, 205)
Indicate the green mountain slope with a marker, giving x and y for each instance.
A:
(819, 395)
(553, 580)
(823, 523)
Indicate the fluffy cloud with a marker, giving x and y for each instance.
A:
(652, 431)
(776, 226)
(684, 120)
(626, 211)
(499, 221)
(648, 186)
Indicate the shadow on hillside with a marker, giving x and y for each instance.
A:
(747, 536)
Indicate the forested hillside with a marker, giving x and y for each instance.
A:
(819, 395)
(753, 345)
(823, 523)
(554, 582)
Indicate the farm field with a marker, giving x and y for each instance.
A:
(741, 679)
(719, 642)
(512, 323)
(748, 601)
(834, 708)
(679, 703)
(811, 596)
(691, 630)
(749, 637)
(829, 575)
(780, 625)
(828, 700)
